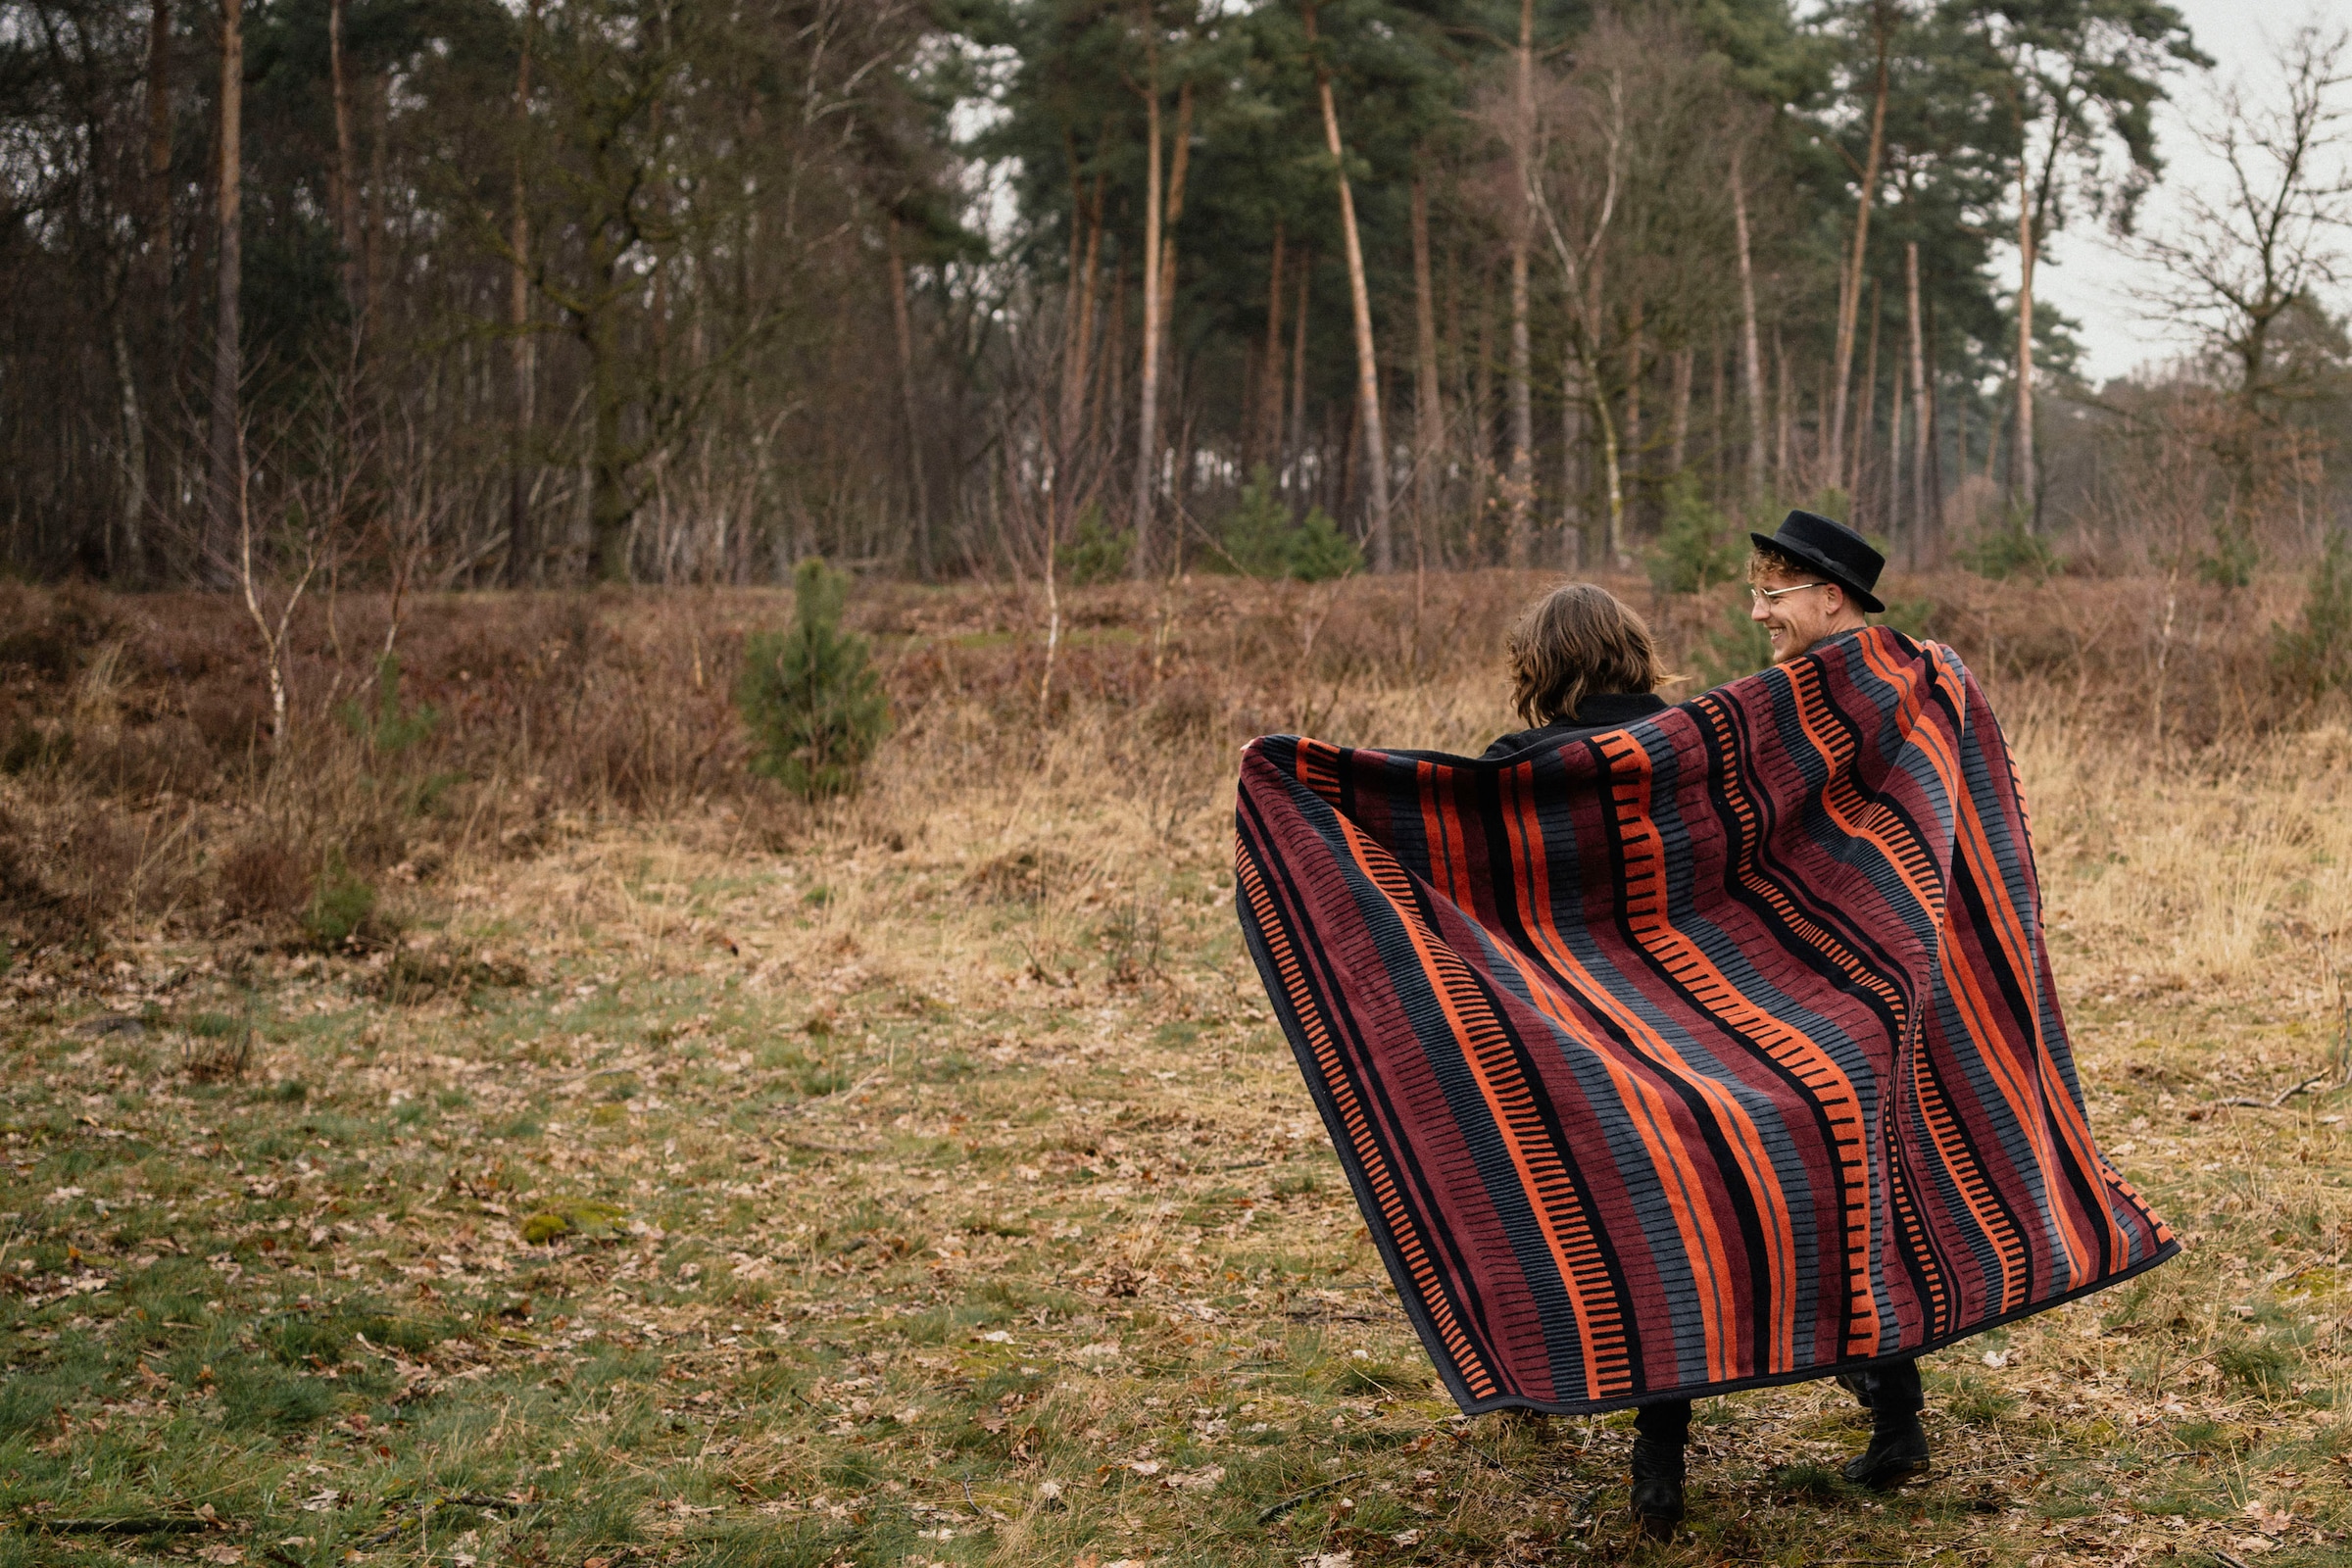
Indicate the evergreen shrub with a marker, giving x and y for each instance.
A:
(1262, 539)
(342, 907)
(1739, 647)
(2232, 561)
(1096, 552)
(2010, 550)
(389, 728)
(1699, 547)
(811, 696)
(2315, 656)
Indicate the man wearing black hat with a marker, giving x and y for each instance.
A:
(1811, 581)
(1807, 583)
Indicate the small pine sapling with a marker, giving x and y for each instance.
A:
(2315, 655)
(811, 696)
(1698, 548)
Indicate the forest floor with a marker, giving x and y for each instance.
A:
(935, 1188)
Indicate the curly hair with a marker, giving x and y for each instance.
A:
(1766, 561)
(1573, 642)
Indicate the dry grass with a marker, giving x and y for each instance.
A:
(928, 1184)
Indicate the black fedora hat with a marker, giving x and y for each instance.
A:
(1832, 549)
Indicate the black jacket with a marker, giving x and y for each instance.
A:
(1597, 714)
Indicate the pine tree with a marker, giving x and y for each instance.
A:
(809, 696)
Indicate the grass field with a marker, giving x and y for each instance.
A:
(924, 1182)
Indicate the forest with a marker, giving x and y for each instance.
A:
(442, 294)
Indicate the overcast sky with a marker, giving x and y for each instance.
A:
(2083, 273)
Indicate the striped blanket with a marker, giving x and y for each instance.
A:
(1714, 1052)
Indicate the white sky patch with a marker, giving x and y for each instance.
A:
(2084, 273)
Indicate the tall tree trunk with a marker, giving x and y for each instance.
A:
(1868, 414)
(610, 507)
(904, 321)
(1307, 267)
(1147, 421)
(1112, 386)
(1611, 456)
(1632, 454)
(1786, 410)
(1078, 372)
(1519, 483)
(1849, 297)
(1481, 412)
(1360, 299)
(1429, 420)
(1922, 416)
(2026, 489)
(1158, 253)
(371, 276)
(1679, 427)
(344, 186)
(1715, 411)
(1893, 503)
(129, 566)
(228, 435)
(1750, 347)
(1572, 486)
(522, 556)
(158, 153)
(1265, 421)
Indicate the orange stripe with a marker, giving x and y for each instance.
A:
(1394, 1213)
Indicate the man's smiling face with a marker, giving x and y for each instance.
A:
(1797, 611)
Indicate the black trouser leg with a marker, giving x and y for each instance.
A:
(1893, 1389)
(1668, 1422)
(1659, 1430)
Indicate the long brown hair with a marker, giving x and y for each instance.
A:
(1573, 642)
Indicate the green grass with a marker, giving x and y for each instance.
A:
(815, 1296)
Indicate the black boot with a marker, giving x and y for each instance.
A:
(1658, 1487)
(1898, 1443)
(1659, 1431)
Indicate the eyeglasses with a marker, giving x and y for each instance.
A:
(1756, 596)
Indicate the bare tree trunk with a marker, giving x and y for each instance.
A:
(134, 452)
(1894, 515)
(344, 185)
(1297, 431)
(1359, 298)
(1923, 414)
(1146, 478)
(1429, 418)
(1850, 298)
(228, 435)
(1786, 410)
(372, 280)
(1572, 477)
(522, 558)
(903, 319)
(2026, 489)
(1110, 387)
(1753, 349)
(1632, 454)
(1159, 281)
(1678, 438)
(1078, 371)
(1519, 483)
(159, 152)
(1263, 421)
(1867, 416)
(1482, 408)
(1715, 409)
